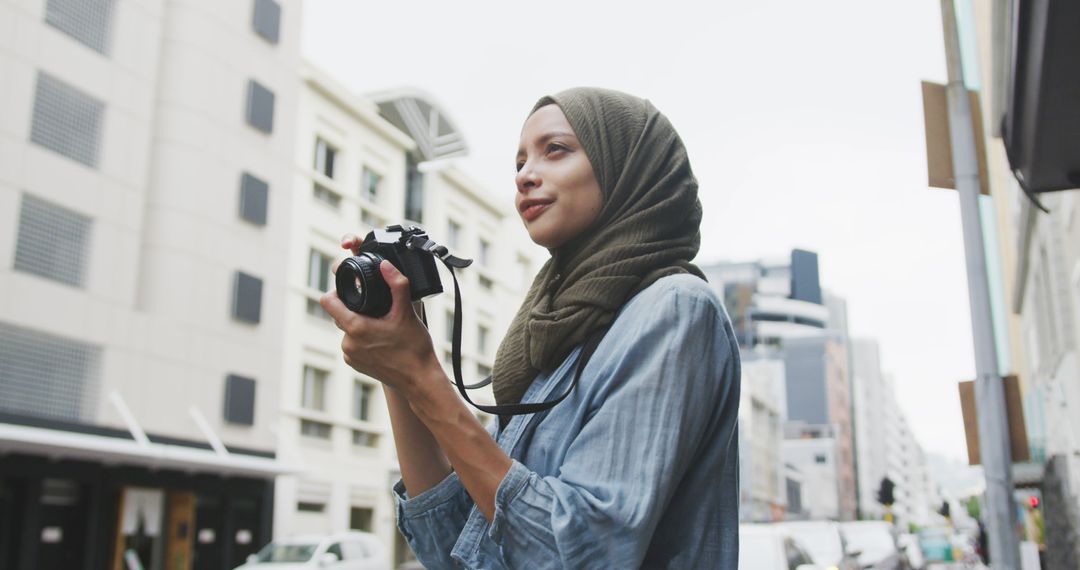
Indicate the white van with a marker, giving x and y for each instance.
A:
(352, 550)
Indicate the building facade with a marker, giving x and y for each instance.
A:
(360, 165)
(139, 363)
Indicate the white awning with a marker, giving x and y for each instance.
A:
(114, 451)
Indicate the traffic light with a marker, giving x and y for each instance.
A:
(885, 492)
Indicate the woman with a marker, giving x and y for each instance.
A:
(637, 467)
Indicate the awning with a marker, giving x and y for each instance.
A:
(112, 450)
(1041, 128)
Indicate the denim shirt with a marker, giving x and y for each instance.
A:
(638, 467)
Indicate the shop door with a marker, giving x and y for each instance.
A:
(62, 531)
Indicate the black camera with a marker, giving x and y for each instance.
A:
(360, 284)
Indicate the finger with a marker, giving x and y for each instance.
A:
(351, 242)
(399, 289)
(337, 310)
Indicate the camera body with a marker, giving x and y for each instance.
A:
(360, 284)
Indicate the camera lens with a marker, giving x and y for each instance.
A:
(361, 287)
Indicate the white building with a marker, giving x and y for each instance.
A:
(813, 452)
(145, 152)
(358, 165)
(763, 489)
(885, 445)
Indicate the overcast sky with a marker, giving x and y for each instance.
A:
(803, 121)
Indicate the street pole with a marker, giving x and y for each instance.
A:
(989, 387)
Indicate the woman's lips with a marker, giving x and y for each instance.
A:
(534, 211)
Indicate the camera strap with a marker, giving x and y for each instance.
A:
(509, 409)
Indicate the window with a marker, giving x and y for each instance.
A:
(449, 326)
(38, 250)
(260, 107)
(326, 195)
(485, 283)
(370, 185)
(481, 339)
(266, 19)
(313, 395)
(310, 507)
(482, 371)
(819, 458)
(414, 190)
(48, 376)
(319, 270)
(482, 256)
(317, 430)
(324, 158)
(453, 234)
(66, 120)
(87, 21)
(362, 393)
(247, 298)
(360, 518)
(240, 400)
(370, 221)
(253, 196)
(361, 438)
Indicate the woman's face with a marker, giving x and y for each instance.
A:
(558, 196)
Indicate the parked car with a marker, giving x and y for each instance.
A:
(352, 550)
(872, 545)
(824, 543)
(771, 547)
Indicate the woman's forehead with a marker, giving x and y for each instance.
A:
(544, 122)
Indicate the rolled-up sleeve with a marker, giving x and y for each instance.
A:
(656, 385)
(432, 521)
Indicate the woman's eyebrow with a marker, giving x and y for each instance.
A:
(546, 137)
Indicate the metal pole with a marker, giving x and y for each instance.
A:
(989, 388)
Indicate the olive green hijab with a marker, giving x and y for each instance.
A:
(647, 228)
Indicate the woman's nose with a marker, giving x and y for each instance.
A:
(526, 178)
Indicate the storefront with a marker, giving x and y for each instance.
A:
(91, 497)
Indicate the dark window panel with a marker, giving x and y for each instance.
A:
(247, 298)
(260, 107)
(266, 19)
(253, 199)
(240, 400)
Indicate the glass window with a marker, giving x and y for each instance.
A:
(362, 394)
(449, 326)
(319, 270)
(87, 21)
(482, 371)
(370, 181)
(453, 234)
(485, 283)
(324, 158)
(370, 221)
(481, 339)
(310, 507)
(325, 195)
(482, 256)
(247, 298)
(260, 107)
(319, 430)
(335, 549)
(266, 20)
(360, 518)
(67, 121)
(313, 396)
(40, 253)
(240, 400)
(253, 197)
(361, 438)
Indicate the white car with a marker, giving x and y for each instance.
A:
(352, 550)
(771, 547)
(873, 545)
(823, 541)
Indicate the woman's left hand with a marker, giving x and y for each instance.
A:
(396, 348)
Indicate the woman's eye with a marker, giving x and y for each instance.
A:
(519, 166)
(554, 147)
